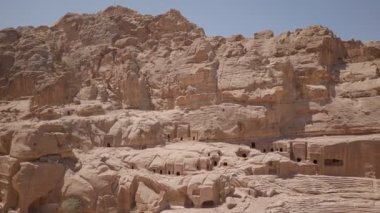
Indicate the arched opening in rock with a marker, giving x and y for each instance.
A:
(161, 172)
(244, 155)
(281, 150)
(193, 138)
(315, 161)
(169, 172)
(208, 204)
(225, 164)
(299, 159)
(181, 138)
(271, 149)
(178, 173)
(215, 163)
(264, 150)
(108, 145)
(253, 145)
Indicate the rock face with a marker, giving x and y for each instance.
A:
(120, 112)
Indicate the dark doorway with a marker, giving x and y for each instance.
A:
(315, 161)
(244, 155)
(161, 172)
(225, 164)
(280, 149)
(193, 138)
(215, 163)
(264, 150)
(169, 172)
(253, 145)
(181, 138)
(208, 204)
(108, 145)
(178, 173)
(271, 149)
(299, 159)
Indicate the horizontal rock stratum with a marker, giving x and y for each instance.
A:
(123, 112)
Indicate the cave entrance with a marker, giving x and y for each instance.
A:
(108, 145)
(253, 145)
(208, 204)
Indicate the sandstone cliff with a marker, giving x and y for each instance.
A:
(118, 111)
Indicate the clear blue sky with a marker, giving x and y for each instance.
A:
(359, 19)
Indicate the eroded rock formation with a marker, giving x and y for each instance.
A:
(120, 112)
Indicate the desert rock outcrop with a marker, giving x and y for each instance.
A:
(120, 112)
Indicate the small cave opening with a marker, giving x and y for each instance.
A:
(225, 164)
(208, 204)
(108, 145)
(244, 155)
(299, 159)
(271, 150)
(181, 138)
(168, 137)
(193, 138)
(253, 145)
(168, 172)
(68, 112)
(208, 154)
(215, 163)
(281, 150)
(178, 173)
(315, 161)
(161, 172)
(132, 167)
(264, 150)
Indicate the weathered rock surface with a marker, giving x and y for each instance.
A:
(122, 112)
